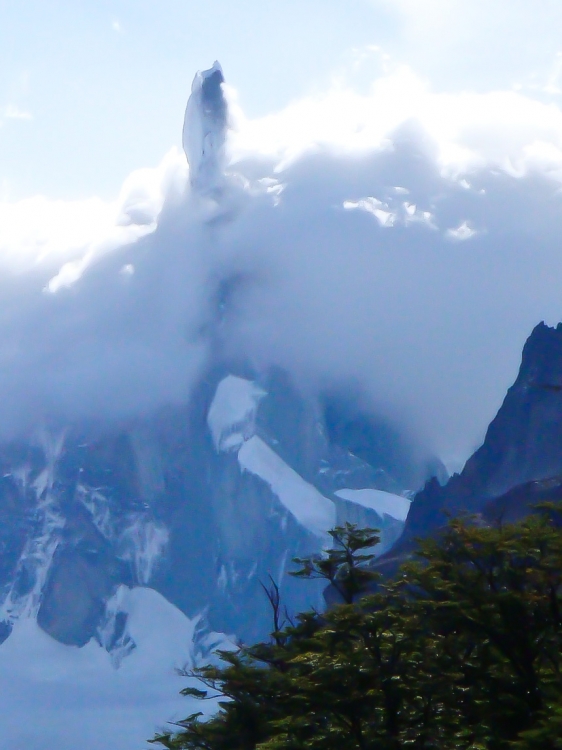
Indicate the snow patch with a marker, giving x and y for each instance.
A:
(379, 501)
(310, 508)
(35, 561)
(77, 697)
(232, 415)
(153, 625)
(52, 445)
(34, 564)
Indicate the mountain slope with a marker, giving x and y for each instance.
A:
(523, 444)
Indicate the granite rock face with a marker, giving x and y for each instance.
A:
(522, 500)
(522, 447)
(201, 502)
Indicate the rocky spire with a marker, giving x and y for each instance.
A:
(204, 130)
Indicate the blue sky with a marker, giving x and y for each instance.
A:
(106, 82)
(90, 90)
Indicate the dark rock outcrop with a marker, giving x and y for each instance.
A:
(522, 500)
(84, 574)
(522, 449)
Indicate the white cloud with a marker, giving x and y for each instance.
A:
(417, 324)
(13, 112)
(64, 302)
(334, 240)
(375, 207)
(467, 130)
(463, 232)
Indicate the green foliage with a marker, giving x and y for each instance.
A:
(546, 734)
(343, 565)
(462, 651)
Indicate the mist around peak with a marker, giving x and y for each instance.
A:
(397, 248)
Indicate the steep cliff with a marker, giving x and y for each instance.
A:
(522, 447)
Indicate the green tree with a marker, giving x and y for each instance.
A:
(496, 591)
(546, 734)
(344, 565)
(460, 652)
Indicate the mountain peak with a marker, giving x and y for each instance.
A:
(204, 130)
(523, 444)
(541, 362)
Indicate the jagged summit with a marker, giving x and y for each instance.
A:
(204, 130)
(523, 444)
(541, 363)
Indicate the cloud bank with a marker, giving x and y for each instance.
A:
(400, 243)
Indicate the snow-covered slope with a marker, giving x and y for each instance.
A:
(236, 428)
(383, 503)
(232, 415)
(309, 508)
(56, 697)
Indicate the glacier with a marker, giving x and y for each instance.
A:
(380, 501)
(305, 503)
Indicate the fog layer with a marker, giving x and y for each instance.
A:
(399, 246)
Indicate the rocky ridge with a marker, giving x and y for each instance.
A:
(520, 460)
